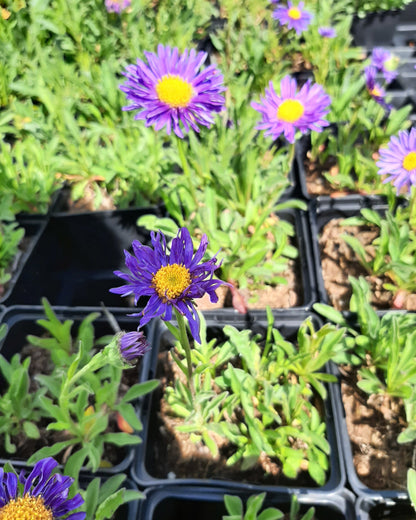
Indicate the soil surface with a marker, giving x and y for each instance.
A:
(172, 454)
(373, 424)
(279, 296)
(338, 261)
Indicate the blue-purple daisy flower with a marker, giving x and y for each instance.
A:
(294, 16)
(172, 279)
(398, 160)
(117, 6)
(293, 110)
(171, 91)
(43, 495)
(133, 345)
(385, 62)
(327, 32)
(375, 90)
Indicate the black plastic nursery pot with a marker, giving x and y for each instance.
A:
(375, 29)
(302, 147)
(73, 262)
(158, 444)
(353, 479)
(34, 228)
(21, 321)
(188, 503)
(324, 210)
(377, 508)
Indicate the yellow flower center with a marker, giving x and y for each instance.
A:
(376, 92)
(26, 508)
(290, 110)
(294, 13)
(174, 91)
(409, 162)
(171, 280)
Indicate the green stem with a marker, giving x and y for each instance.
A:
(186, 170)
(412, 208)
(184, 341)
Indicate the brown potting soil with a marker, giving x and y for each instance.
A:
(373, 423)
(338, 262)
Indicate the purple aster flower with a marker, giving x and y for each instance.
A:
(327, 32)
(117, 6)
(293, 16)
(398, 160)
(384, 61)
(293, 110)
(133, 345)
(171, 279)
(171, 91)
(374, 89)
(43, 496)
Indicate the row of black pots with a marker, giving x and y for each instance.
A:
(385, 28)
(182, 496)
(73, 259)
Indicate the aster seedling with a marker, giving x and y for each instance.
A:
(362, 120)
(235, 509)
(20, 410)
(10, 238)
(83, 396)
(267, 383)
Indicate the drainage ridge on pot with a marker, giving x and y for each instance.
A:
(146, 454)
(74, 260)
(21, 321)
(34, 229)
(185, 503)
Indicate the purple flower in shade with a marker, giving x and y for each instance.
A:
(171, 279)
(133, 345)
(117, 6)
(293, 110)
(374, 89)
(398, 160)
(327, 32)
(171, 91)
(293, 16)
(44, 496)
(384, 61)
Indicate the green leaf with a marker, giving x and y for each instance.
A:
(140, 389)
(107, 508)
(234, 505)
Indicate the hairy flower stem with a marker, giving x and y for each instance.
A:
(412, 208)
(186, 171)
(184, 341)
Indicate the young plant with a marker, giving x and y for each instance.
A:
(20, 409)
(235, 509)
(392, 252)
(385, 346)
(86, 424)
(10, 238)
(271, 395)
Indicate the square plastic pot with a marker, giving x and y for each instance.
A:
(375, 29)
(357, 486)
(324, 210)
(186, 503)
(288, 325)
(21, 321)
(73, 262)
(34, 228)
